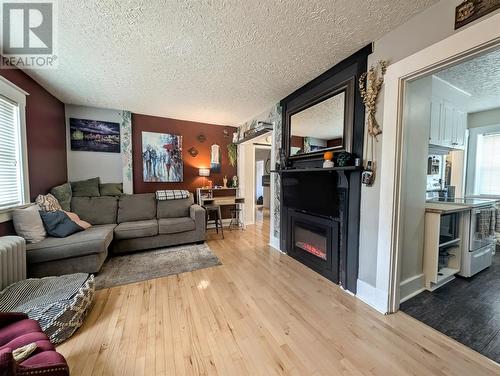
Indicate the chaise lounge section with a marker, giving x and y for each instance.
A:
(124, 224)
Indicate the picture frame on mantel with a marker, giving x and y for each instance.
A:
(471, 10)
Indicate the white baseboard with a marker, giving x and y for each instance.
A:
(373, 296)
(411, 287)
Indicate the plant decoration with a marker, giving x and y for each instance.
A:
(232, 153)
(370, 84)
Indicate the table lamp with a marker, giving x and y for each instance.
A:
(205, 172)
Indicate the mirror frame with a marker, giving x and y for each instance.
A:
(348, 87)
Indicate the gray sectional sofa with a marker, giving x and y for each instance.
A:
(123, 224)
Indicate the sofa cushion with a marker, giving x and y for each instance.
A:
(93, 240)
(95, 210)
(85, 188)
(28, 224)
(59, 224)
(63, 194)
(175, 225)
(111, 189)
(174, 208)
(136, 229)
(48, 203)
(138, 207)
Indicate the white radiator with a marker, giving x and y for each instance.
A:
(12, 260)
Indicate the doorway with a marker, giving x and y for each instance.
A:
(262, 182)
(450, 192)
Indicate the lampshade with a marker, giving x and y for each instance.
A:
(204, 172)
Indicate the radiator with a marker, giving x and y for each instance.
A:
(12, 260)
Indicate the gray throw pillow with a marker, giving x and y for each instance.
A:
(111, 189)
(28, 224)
(58, 224)
(86, 188)
(63, 194)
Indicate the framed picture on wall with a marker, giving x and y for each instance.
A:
(94, 135)
(162, 158)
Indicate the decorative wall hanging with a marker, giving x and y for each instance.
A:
(232, 154)
(226, 133)
(126, 146)
(201, 138)
(162, 157)
(471, 10)
(370, 84)
(215, 158)
(94, 135)
(193, 152)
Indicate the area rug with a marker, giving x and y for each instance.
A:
(142, 266)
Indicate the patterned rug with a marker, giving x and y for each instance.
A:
(59, 304)
(142, 266)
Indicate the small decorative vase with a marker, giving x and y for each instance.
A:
(328, 164)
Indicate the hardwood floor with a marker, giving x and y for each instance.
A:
(260, 313)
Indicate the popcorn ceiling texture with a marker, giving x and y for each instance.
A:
(210, 61)
(479, 77)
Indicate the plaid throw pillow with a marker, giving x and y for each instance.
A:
(172, 194)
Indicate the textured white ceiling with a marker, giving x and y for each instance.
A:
(324, 120)
(207, 60)
(479, 77)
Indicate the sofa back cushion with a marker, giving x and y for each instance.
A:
(95, 210)
(85, 188)
(138, 207)
(175, 208)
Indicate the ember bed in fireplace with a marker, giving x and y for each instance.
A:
(315, 241)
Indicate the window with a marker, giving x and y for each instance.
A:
(488, 164)
(13, 175)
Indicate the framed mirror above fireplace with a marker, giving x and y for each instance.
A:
(323, 122)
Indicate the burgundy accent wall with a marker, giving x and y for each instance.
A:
(45, 133)
(46, 137)
(189, 131)
(334, 142)
(297, 142)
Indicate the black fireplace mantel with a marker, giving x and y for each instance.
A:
(318, 169)
(348, 189)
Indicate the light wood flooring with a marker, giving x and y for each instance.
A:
(260, 313)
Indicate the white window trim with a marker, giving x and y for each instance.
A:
(18, 95)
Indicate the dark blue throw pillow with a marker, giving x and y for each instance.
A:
(58, 224)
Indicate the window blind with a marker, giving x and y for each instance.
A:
(11, 185)
(488, 164)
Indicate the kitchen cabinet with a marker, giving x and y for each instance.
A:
(448, 125)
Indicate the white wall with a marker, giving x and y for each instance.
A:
(86, 165)
(431, 26)
(417, 115)
(484, 118)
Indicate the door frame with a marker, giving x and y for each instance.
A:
(477, 39)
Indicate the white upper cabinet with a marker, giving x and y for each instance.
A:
(448, 121)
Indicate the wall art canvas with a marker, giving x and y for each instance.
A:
(162, 157)
(94, 135)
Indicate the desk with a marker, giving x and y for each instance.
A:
(227, 198)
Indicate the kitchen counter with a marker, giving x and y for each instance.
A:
(445, 208)
(456, 205)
